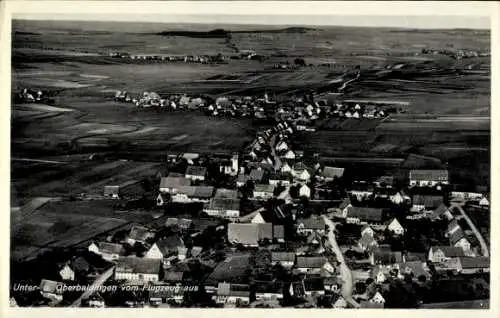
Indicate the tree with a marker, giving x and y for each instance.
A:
(300, 62)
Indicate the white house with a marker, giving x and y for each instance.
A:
(313, 264)
(108, 251)
(396, 198)
(428, 178)
(282, 146)
(133, 268)
(285, 168)
(395, 227)
(377, 298)
(484, 202)
(305, 191)
(367, 230)
(289, 155)
(439, 254)
(67, 273)
(340, 303)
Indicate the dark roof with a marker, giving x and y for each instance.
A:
(196, 171)
(384, 255)
(387, 180)
(429, 201)
(169, 244)
(244, 233)
(278, 231)
(174, 182)
(457, 236)
(235, 290)
(361, 186)
(140, 233)
(311, 261)
(432, 175)
(312, 223)
(269, 287)
(226, 194)
(365, 213)
(232, 268)
(196, 191)
(269, 188)
(110, 248)
(134, 264)
(314, 284)
(440, 210)
(283, 256)
(256, 175)
(411, 256)
(223, 204)
(474, 262)
(331, 172)
(275, 216)
(449, 251)
(367, 241)
(182, 223)
(345, 203)
(173, 276)
(415, 267)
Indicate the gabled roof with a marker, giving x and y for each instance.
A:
(140, 233)
(474, 262)
(196, 191)
(111, 189)
(80, 264)
(196, 171)
(282, 256)
(457, 236)
(384, 255)
(431, 175)
(331, 172)
(314, 284)
(226, 194)
(110, 248)
(182, 223)
(278, 231)
(367, 241)
(345, 203)
(132, 264)
(315, 236)
(267, 188)
(449, 251)
(223, 204)
(365, 213)
(312, 223)
(256, 175)
(243, 233)
(174, 182)
(429, 201)
(311, 261)
(169, 244)
(440, 210)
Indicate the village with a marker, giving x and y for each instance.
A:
(272, 226)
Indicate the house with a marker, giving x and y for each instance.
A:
(268, 291)
(484, 202)
(426, 202)
(310, 225)
(263, 191)
(139, 234)
(172, 184)
(313, 264)
(285, 168)
(289, 155)
(332, 283)
(367, 242)
(51, 289)
(330, 173)
(305, 191)
(230, 167)
(242, 179)
(345, 205)
(473, 265)
(440, 254)
(232, 294)
(395, 227)
(300, 172)
(112, 191)
(385, 182)
(397, 198)
(108, 251)
(428, 178)
(196, 173)
(173, 278)
(162, 199)
(315, 238)
(163, 294)
(165, 247)
(182, 224)
(453, 226)
(377, 298)
(193, 194)
(367, 230)
(221, 207)
(340, 303)
(249, 234)
(314, 286)
(441, 212)
(67, 273)
(380, 273)
(276, 179)
(414, 268)
(285, 259)
(279, 233)
(458, 239)
(361, 190)
(362, 215)
(257, 175)
(383, 255)
(133, 268)
(282, 146)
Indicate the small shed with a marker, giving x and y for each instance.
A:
(112, 191)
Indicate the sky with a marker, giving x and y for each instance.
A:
(416, 14)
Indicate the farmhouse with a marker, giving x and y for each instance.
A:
(112, 191)
(310, 225)
(364, 215)
(231, 294)
(426, 202)
(108, 251)
(165, 247)
(395, 227)
(196, 173)
(473, 265)
(440, 254)
(289, 155)
(249, 234)
(428, 178)
(285, 259)
(263, 191)
(172, 184)
(221, 207)
(133, 268)
(331, 173)
(305, 191)
(266, 291)
(313, 264)
(193, 194)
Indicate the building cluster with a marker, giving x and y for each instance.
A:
(457, 54)
(31, 96)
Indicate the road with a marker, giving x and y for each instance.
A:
(277, 160)
(95, 286)
(345, 272)
(482, 242)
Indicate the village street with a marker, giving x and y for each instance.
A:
(344, 270)
(95, 286)
(484, 246)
